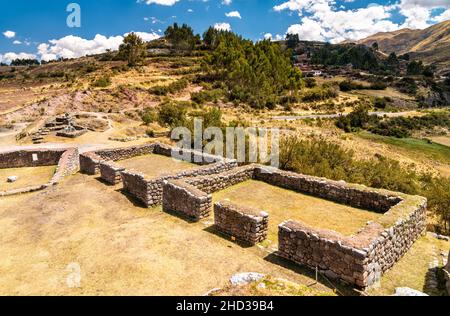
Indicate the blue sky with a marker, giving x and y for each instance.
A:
(26, 27)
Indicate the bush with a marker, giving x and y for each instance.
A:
(349, 85)
(149, 116)
(204, 96)
(310, 82)
(318, 157)
(172, 114)
(356, 120)
(102, 82)
(320, 94)
(172, 88)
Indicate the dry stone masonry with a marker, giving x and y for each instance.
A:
(148, 191)
(67, 161)
(359, 260)
(187, 200)
(244, 223)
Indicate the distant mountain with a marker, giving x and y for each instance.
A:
(431, 45)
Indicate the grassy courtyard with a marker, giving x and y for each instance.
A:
(284, 204)
(154, 166)
(25, 177)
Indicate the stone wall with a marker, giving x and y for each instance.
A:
(111, 172)
(67, 164)
(359, 260)
(187, 200)
(90, 163)
(30, 158)
(220, 181)
(341, 192)
(150, 191)
(244, 223)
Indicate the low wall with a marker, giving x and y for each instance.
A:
(90, 163)
(30, 158)
(246, 224)
(340, 192)
(361, 259)
(220, 181)
(358, 260)
(150, 192)
(185, 199)
(67, 164)
(111, 172)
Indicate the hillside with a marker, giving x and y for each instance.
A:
(431, 45)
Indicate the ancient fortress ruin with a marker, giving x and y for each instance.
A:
(359, 260)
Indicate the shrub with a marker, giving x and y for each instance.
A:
(172, 88)
(149, 116)
(204, 96)
(318, 157)
(102, 82)
(172, 114)
(320, 94)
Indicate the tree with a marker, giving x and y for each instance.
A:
(133, 50)
(392, 62)
(375, 46)
(292, 40)
(415, 68)
(24, 62)
(181, 38)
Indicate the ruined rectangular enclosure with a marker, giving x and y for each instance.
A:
(148, 191)
(359, 260)
(65, 160)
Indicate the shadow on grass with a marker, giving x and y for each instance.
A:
(341, 289)
(102, 181)
(213, 230)
(435, 282)
(185, 218)
(132, 199)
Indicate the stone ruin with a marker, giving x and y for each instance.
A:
(359, 260)
(63, 126)
(147, 191)
(66, 160)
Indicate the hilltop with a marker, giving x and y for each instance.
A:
(431, 45)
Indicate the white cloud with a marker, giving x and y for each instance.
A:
(74, 46)
(9, 57)
(321, 20)
(160, 2)
(222, 27)
(325, 23)
(418, 12)
(444, 16)
(233, 14)
(9, 34)
(17, 42)
(227, 2)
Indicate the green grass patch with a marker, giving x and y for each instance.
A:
(422, 147)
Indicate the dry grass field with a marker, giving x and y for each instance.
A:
(25, 177)
(154, 166)
(122, 249)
